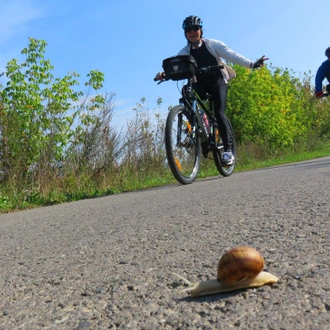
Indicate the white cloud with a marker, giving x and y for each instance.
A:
(15, 16)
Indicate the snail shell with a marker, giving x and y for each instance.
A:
(239, 268)
(238, 263)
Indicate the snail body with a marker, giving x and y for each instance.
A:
(239, 268)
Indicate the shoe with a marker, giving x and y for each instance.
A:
(227, 158)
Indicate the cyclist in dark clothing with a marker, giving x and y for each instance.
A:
(322, 73)
(212, 52)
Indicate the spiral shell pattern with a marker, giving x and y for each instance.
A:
(239, 263)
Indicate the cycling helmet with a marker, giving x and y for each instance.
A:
(192, 21)
(327, 51)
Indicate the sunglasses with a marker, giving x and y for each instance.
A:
(194, 28)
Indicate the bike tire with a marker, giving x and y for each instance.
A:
(183, 148)
(218, 149)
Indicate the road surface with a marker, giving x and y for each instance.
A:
(108, 263)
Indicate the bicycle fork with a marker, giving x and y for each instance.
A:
(189, 138)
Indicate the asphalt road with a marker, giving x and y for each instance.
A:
(108, 263)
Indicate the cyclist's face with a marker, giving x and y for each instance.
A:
(193, 35)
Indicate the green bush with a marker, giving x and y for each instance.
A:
(270, 106)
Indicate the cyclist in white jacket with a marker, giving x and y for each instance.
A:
(211, 52)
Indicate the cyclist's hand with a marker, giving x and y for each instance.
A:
(160, 76)
(319, 94)
(260, 62)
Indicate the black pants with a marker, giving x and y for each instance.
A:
(219, 95)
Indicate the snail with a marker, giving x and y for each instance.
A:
(239, 268)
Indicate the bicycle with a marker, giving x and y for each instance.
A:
(191, 127)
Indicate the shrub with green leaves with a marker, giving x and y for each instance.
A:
(38, 112)
(269, 106)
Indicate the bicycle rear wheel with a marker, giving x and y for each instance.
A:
(183, 148)
(218, 150)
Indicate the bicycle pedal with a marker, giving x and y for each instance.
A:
(226, 165)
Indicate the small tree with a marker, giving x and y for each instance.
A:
(38, 113)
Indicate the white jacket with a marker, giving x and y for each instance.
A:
(221, 51)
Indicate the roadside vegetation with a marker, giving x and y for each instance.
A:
(58, 144)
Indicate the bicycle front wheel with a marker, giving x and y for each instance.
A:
(182, 145)
(218, 150)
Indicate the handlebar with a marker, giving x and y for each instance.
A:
(210, 68)
(205, 69)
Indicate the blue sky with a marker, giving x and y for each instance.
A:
(128, 39)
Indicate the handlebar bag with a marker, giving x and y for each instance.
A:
(180, 67)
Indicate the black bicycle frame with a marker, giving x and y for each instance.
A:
(194, 101)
